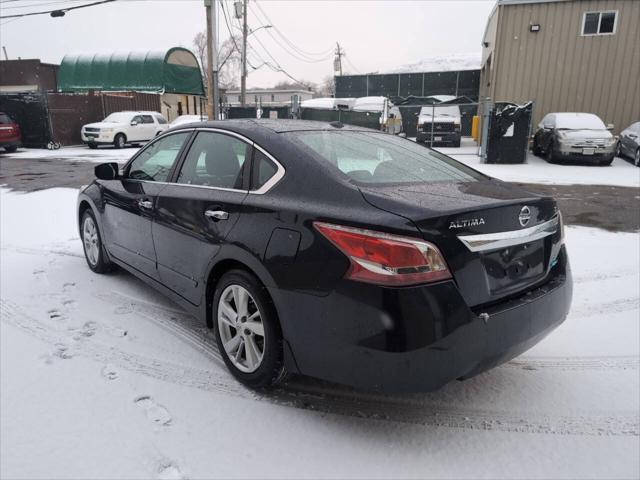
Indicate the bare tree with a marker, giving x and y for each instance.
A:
(327, 88)
(229, 59)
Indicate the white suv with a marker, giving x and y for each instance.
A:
(121, 128)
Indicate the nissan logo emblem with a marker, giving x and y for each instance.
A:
(525, 216)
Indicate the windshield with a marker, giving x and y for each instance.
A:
(441, 111)
(378, 158)
(579, 121)
(118, 118)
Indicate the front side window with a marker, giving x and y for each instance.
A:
(378, 158)
(137, 119)
(215, 160)
(156, 161)
(599, 23)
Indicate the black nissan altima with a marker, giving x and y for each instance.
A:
(332, 251)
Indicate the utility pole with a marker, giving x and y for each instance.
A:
(243, 77)
(337, 62)
(212, 62)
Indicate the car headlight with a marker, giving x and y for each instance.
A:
(610, 141)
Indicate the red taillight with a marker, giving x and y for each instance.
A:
(386, 259)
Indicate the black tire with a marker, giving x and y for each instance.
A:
(119, 141)
(606, 163)
(271, 370)
(549, 155)
(536, 149)
(101, 263)
(457, 144)
(636, 160)
(618, 150)
(93, 146)
(11, 148)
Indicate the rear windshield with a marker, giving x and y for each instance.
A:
(5, 119)
(378, 158)
(441, 111)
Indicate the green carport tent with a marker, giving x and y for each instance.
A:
(172, 71)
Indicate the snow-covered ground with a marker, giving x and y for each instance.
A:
(79, 153)
(101, 377)
(621, 173)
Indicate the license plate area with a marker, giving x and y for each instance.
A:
(514, 267)
(437, 139)
(588, 151)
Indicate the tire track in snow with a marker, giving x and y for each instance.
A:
(606, 308)
(40, 251)
(190, 329)
(328, 399)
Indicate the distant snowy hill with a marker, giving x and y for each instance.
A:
(465, 61)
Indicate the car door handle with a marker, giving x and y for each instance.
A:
(216, 215)
(146, 204)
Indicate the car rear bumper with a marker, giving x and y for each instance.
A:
(10, 142)
(416, 339)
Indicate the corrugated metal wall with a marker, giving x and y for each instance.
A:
(560, 69)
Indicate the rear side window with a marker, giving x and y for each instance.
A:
(215, 160)
(161, 120)
(5, 119)
(147, 119)
(378, 158)
(156, 161)
(263, 170)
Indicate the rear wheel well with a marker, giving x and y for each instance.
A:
(84, 206)
(214, 277)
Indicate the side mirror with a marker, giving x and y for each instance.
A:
(106, 171)
(134, 123)
(610, 126)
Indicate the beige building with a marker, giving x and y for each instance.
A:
(565, 55)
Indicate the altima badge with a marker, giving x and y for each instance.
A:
(525, 216)
(469, 222)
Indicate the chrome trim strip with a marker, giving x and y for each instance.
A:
(280, 170)
(494, 241)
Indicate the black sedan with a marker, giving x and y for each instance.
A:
(336, 252)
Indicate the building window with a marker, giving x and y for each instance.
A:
(273, 98)
(599, 23)
(240, 98)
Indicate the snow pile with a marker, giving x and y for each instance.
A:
(445, 63)
(101, 377)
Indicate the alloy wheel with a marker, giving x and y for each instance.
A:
(241, 328)
(91, 241)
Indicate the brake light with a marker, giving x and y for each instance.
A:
(385, 259)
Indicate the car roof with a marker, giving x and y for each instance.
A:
(277, 126)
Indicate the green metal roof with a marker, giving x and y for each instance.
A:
(172, 71)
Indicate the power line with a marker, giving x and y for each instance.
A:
(350, 63)
(59, 2)
(64, 10)
(293, 45)
(287, 49)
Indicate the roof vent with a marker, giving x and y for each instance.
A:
(336, 124)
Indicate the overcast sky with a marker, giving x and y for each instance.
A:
(376, 35)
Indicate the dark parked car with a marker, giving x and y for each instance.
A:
(336, 252)
(629, 143)
(574, 137)
(10, 135)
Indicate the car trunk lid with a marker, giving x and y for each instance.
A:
(497, 239)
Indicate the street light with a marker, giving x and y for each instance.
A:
(254, 31)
